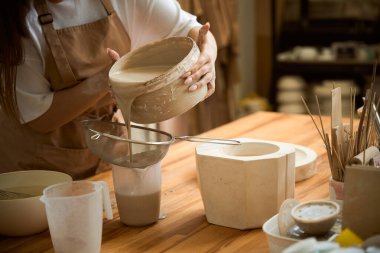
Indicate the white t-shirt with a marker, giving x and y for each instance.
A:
(144, 20)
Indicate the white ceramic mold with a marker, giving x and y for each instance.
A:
(242, 186)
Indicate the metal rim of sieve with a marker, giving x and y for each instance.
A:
(98, 134)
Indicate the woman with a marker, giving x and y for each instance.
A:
(54, 72)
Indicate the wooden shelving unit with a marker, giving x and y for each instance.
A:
(319, 33)
(325, 67)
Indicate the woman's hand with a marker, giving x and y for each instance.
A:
(203, 71)
(113, 54)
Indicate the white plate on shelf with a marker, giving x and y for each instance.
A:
(305, 162)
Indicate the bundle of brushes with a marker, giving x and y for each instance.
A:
(346, 145)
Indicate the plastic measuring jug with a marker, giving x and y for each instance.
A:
(138, 193)
(75, 215)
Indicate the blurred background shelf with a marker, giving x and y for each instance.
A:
(341, 66)
(319, 42)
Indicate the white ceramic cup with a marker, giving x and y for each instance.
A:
(138, 194)
(75, 215)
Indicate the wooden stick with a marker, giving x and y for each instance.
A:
(361, 122)
(339, 170)
(312, 118)
(330, 158)
(352, 108)
(320, 115)
(369, 117)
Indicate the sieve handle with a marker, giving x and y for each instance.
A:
(208, 140)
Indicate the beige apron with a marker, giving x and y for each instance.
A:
(75, 54)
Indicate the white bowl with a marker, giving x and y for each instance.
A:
(276, 242)
(291, 83)
(26, 216)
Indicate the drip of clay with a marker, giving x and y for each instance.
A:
(131, 85)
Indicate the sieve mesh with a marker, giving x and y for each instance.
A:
(111, 142)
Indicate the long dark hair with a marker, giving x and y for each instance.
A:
(13, 29)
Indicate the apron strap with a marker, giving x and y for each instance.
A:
(46, 21)
(108, 6)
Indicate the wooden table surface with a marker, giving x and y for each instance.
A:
(186, 229)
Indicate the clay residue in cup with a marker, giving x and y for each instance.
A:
(315, 211)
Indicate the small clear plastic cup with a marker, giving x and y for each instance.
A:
(138, 194)
(75, 215)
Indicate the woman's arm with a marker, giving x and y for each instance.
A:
(70, 103)
(204, 69)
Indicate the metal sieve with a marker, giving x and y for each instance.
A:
(112, 143)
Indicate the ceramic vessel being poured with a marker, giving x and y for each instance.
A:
(148, 80)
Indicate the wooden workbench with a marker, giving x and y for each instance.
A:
(186, 229)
